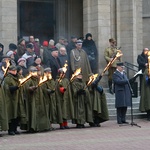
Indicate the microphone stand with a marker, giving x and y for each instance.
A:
(131, 91)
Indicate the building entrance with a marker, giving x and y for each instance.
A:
(37, 18)
(46, 19)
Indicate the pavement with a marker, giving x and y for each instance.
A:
(110, 136)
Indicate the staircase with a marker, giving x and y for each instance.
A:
(112, 110)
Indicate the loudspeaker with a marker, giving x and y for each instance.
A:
(134, 87)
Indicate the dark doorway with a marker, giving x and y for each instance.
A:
(37, 18)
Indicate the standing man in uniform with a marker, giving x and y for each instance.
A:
(122, 93)
(109, 53)
(79, 59)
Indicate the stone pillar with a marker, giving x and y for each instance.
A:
(8, 22)
(96, 20)
(129, 28)
(146, 23)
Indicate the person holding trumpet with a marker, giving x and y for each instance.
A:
(109, 54)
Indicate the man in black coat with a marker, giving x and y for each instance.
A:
(122, 93)
(142, 61)
(54, 62)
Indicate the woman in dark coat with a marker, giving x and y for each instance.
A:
(1, 51)
(91, 50)
(122, 93)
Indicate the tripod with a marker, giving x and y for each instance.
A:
(132, 123)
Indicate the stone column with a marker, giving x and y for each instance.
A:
(96, 20)
(129, 28)
(8, 22)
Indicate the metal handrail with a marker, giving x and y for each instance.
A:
(129, 67)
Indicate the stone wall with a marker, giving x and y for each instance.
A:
(129, 28)
(146, 23)
(8, 22)
(96, 20)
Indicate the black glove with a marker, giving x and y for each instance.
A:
(50, 91)
(81, 91)
(13, 88)
(99, 89)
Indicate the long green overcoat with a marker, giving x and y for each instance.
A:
(99, 105)
(12, 98)
(64, 101)
(38, 119)
(50, 100)
(79, 59)
(82, 103)
(3, 111)
(145, 93)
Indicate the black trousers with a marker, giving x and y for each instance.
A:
(121, 114)
(13, 125)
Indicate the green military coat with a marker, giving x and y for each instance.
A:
(64, 101)
(3, 111)
(82, 103)
(145, 93)
(12, 99)
(79, 59)
(99, 105)
(50, 100)
(38, 119)
(109, 53)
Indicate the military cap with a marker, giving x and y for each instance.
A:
(79, 42)
(112, 40)
(47, 69)
(12, 67)
(33, 69)
(120, 64)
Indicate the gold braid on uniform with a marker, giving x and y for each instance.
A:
(75, 57)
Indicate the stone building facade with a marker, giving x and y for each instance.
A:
(125, 20)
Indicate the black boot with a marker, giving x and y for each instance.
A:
(148, 115)
(110, 87)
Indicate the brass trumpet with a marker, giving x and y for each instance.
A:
(116, 55)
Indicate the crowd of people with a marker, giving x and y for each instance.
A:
(35, 107)
(65, 95)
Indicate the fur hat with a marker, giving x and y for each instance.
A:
(12, 46)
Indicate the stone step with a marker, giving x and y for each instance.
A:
(112, 105)
(112, 110)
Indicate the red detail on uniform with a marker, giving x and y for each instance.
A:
(62, 90)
